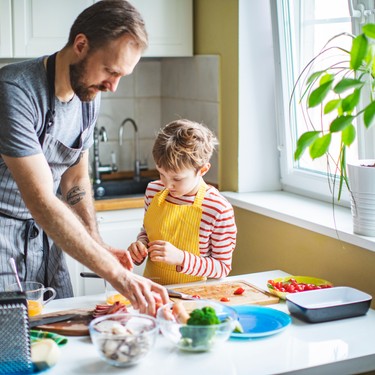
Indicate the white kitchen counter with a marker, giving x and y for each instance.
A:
(344, 346)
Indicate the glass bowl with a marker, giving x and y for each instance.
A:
(196, 338)
(123, 339)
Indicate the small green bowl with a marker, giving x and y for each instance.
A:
(299, 279)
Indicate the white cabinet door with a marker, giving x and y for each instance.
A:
(5, 28)
(169, 24)
(118, 228)
(41, 27)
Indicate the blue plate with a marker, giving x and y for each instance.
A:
(258, 321)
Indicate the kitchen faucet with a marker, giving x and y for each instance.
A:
(98, 168)
(137, 163)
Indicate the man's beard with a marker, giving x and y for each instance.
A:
(77, 72)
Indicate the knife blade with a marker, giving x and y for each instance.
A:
(51, 319)
(174, 294)
(90, 275)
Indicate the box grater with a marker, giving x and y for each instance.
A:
(15, 352)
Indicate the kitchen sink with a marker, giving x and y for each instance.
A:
(109, 189)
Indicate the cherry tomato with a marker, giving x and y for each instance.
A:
(290, 288)
(239, 291)
(300, 287)
(224, 299)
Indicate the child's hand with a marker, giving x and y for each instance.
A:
(138, 252)
(162, 251)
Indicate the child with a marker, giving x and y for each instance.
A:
(189, 232)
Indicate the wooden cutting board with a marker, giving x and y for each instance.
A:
(217, 290)
(77, 326)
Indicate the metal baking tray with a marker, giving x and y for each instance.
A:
(323, 305)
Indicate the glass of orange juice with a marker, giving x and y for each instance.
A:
(34, 292)
(112, 295)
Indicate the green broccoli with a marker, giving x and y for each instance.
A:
(193, 337)
(203, 317)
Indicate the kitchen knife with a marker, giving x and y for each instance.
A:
(91, 275)
(174, 294)
(52, 319)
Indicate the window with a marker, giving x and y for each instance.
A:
(304, 27)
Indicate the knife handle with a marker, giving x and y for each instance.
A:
(91, 275)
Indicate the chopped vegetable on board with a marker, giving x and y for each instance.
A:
(239, 291)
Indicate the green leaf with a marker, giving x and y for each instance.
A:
(369, 55)
(318, 95)
(340, 123)
(347, 84)
(348, 135)
(332, 105)
(305, 141)
(369, 30)
(369, 114)
(358, 51)
(314, 76)
(350, 102)
(342, 168)
(320, 146)
(326, 78)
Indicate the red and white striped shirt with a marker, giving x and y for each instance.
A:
(217, 233)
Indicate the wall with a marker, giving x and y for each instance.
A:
(264, 243)
(216, 32)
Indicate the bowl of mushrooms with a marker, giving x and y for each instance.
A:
(123, 339)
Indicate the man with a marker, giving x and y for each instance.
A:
(48, 108)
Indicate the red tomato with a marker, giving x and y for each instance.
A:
(224, 299)
(239, 291)
(300, 287)
(290, 288)
(278, 285)
(197, 296)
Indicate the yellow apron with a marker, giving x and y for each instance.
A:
(177, 224)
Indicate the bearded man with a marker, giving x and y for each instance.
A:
(48, 110)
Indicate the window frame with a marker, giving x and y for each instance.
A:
(292, 178)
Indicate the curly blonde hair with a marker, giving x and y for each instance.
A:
(183, 144)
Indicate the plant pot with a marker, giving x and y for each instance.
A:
(362, 194)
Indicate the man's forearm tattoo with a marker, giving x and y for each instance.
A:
(75, 195)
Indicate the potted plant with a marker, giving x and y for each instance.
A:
(337, 89)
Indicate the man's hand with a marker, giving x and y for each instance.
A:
(144, 294)
(123, 256)
(162, 251)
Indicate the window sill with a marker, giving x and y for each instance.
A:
(307, 213)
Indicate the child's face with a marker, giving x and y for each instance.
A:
(183, 182)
